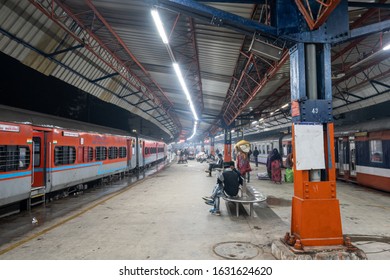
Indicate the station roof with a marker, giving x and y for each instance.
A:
(112, 50)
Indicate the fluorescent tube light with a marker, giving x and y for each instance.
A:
(160, 27)
(185, 89)
(193, 134)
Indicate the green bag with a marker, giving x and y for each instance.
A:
(289, 175)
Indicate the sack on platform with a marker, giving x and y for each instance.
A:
(289, 177)
(262, 176)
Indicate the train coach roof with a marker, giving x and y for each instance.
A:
(10, 114)
(369, 126)
(15, 115)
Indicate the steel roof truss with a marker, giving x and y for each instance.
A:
(130, 94)
(142, 101)
(184, 48)
(65, 50)
(216, 16)
(72, 24)
(104, 77)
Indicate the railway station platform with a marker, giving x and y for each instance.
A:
(163, 217)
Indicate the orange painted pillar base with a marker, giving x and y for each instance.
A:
(316, 222)
(227, 153)
(316, 219)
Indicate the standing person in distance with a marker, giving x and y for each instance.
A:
(256, 154)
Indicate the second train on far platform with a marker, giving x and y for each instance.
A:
(362, 151)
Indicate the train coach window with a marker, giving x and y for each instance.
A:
(122, 152)
(14, 158)
(285, 152)
(101, 153)
(376, 153)
(24, 157)
(90, 154)
(112, 152)
(64, 155)
(86, 154)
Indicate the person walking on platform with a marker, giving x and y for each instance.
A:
(228, 183)
(255, 155)
(243, 165)
(274, 163)
(217, 164)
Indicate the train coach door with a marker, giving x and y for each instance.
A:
(38, 187)
(341, 153)
(39, 162)
(352, 157)
(130, 153)
(142, 153)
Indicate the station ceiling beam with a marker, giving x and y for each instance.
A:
(127, 65)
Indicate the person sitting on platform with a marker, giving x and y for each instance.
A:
(217, 164)
(228, 183)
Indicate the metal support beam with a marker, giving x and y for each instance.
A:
(369, 29)
(104, 77)
(234, 108)
(143, 101)
(65, 50)
(151, 109)
(354, 95)
(380, 83)
(314, 192)
(368, 5)
(216, 17)
(316, 12)
(63, 15)
(129, 94)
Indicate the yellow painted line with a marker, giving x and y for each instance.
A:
(21, 242)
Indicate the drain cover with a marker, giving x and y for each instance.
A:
(236, 250)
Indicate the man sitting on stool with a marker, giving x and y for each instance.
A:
(217, 164)
(228, 183)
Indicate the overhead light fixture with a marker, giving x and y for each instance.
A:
(285, 105)
(369, 58)
(262, 119)
(193, 134)
(254, 122)
(159, 25)
(264, 49)
(338, 75)
(185, 89)
(161, 31)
